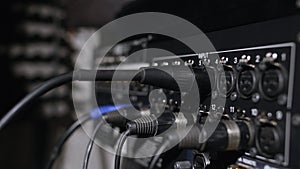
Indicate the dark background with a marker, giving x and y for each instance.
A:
(24, 143)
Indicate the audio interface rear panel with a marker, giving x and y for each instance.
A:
(259, 82)
(261, 77)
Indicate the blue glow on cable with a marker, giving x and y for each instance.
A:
(97, 112)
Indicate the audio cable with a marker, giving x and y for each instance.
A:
(107, 112)
(121, 142)
(151, 76)
(163, 77)
(229, 136)
(90, 146)
(113, 118)
(150, 125)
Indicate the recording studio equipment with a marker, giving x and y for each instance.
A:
(260, 63)
(254, 69)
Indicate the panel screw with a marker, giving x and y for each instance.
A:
(233, 96)
(255, 98)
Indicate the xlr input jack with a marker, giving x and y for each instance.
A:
(226, 80)
(246, 80)
(269, 140)
(273, 80)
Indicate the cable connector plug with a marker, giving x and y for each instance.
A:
(150, 125)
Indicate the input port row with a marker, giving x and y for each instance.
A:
(269, 79)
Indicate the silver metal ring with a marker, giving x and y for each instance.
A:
(234, 137)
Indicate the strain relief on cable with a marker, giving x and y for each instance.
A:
(144, 126)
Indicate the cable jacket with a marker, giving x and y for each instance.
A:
(119, 149)
(150, 76)
(89, 148)
(78, 75)
(44, 88)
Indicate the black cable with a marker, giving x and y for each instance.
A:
(111, 117)
(90, 147)
(157, 154)
(119, 149)
(80, 75)
(149, 76)
(44, 88)
(58, 147)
